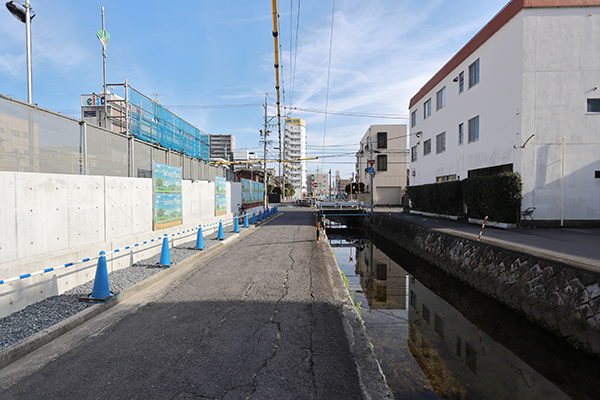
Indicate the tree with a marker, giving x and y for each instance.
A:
(289, 189)
(159, 181)
(161, 211)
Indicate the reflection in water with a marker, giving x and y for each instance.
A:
(436, 338)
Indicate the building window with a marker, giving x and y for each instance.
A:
(461, 133)
(14, 132)
(427, 109)
(461, 82)
(427, 147)
(382, 140)
(440, 143)
(446, 178)
(474, 129)
(413, 154)
(593, 105)
(413, 118)
(382, 162)
(473, 74)
(89, 114)
(440, 98)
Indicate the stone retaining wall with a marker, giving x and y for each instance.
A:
(561, 298)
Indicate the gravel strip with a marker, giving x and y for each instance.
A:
(43, 314)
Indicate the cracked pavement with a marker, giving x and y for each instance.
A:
(265, 318)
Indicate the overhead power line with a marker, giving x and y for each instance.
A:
(349, 113)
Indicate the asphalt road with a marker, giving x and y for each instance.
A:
(267, 317)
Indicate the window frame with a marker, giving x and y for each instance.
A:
(414, 153)
(382, 140)
(475, 136)
(461, 134)
(474, 73)
(427, 147)
(414, 118)
(440, 143)
(382, 162)
(427, 109)
(591, 102)
(461, 82)
(440, 99)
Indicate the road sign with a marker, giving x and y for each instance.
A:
(371, 162)
(315, 185)
(371, 170)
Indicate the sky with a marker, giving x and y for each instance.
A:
(212, 62)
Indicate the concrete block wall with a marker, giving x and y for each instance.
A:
(48, 220)
(562, 298)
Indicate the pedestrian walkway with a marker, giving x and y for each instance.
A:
(266, 317)
(579, 247)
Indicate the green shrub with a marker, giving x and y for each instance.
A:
(498, 197)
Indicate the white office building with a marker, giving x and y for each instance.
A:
(523, 95)
(294, 148)
(222, 146)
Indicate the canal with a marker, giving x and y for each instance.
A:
(436, 338)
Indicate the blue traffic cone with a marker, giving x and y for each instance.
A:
(165, 255)
(259, 216)
(268, 212)
(276, 210)
(101, 292)
(254, 218)
(200, 239)
(236, 225)
(246, 221)
(220, 235)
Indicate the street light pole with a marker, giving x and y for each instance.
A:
(28, 39)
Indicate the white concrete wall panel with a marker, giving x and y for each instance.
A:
(85, 209)
(8, 224)
(42, 213)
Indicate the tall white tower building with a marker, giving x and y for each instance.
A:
(294, 147)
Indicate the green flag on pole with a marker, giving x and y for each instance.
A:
(104, 39)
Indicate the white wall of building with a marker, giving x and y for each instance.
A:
(389, 184)
(295, 148)
(49, 220)
(536, 74)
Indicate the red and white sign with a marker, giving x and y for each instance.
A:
(371, 162)
(315, 185)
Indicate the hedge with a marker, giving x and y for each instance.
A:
(498, 197)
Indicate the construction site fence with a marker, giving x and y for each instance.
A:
(33, 139)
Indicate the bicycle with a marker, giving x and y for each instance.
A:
(241, 210)
(524, 222)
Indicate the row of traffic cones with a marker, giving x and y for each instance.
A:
(101, 291)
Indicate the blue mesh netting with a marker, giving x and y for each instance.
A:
(154, 123)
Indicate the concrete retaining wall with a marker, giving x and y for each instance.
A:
(562, 298)
(48, 220)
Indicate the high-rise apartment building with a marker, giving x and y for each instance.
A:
(222, 146)
(294, 148)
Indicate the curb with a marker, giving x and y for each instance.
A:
(372, 380)
(41, 338)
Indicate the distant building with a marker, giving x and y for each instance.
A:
(294, 148)
(222, 146)
(386, 147)
(92, 111)
(245, 155)
(317, 185)
(521, 96)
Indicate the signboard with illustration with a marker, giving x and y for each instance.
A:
(168, 209)
(220, 196)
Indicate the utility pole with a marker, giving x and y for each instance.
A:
(104, 75)
(370, 158)
(265, 135)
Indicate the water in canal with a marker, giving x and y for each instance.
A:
(436, 338)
